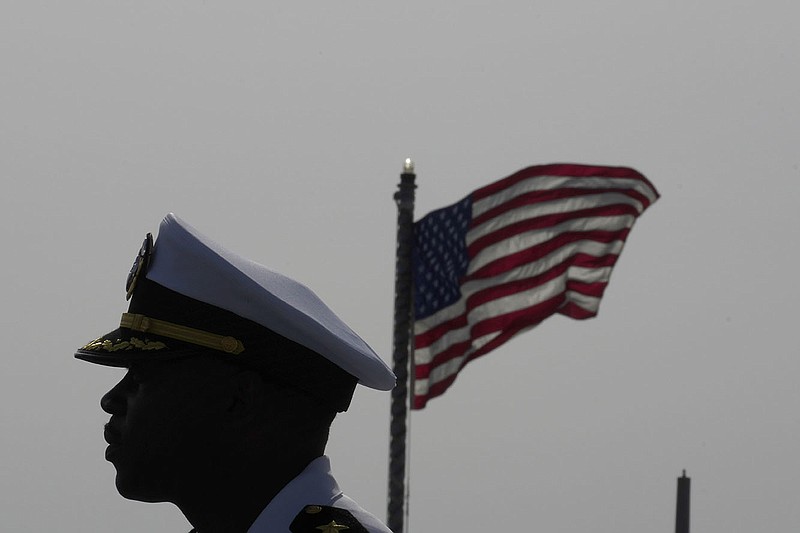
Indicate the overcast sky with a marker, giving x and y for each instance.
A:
(279, 129)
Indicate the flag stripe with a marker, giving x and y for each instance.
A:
(537, 203)
(604, 175)
(540, 185)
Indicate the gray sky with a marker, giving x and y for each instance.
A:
(279, 129)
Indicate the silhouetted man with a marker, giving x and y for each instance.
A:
(235, 374)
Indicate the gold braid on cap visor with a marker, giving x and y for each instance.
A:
(163, 328)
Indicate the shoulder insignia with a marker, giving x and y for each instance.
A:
(324, 519)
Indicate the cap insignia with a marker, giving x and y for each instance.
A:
(140, 265)
(119, 344)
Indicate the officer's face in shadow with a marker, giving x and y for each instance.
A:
(168, 420)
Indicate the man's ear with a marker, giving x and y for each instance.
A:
(247, 396)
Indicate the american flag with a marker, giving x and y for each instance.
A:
(539, 242)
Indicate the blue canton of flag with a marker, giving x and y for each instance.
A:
(440, 257)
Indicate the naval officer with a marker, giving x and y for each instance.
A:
(234, 376)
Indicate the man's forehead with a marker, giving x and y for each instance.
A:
(198, 364)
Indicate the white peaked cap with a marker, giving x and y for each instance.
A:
(189, 263)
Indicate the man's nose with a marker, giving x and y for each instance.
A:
(113, 402)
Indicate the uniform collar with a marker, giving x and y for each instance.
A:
(314, 485)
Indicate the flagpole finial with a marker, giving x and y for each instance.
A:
(408, 166)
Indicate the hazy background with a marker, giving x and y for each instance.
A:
(279, 129)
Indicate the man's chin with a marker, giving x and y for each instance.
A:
(132, 486)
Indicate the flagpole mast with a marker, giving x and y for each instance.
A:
(404, 198)
(682, 507)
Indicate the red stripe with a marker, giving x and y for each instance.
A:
(550, 195)
(573, 310)
(636, 195)
(559, 169)
(589, 289)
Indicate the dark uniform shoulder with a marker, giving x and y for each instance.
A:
(321, 518)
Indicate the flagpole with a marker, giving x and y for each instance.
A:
(404, 198)
(682, 507)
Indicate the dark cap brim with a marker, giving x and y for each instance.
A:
(122, 347)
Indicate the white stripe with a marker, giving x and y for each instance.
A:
(523, 241)
(421, 387)
(543, 183)
(589, 275)
(562, 205)
(588, 303)
(480, 342)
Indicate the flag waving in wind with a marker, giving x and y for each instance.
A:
(539, 242)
